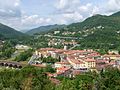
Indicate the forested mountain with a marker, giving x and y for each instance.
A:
(43, 29)
(112, 21)
(10, 33)
(98, 31)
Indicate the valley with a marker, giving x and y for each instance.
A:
(78, 56)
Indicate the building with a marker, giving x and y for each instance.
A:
(22, 47)
(62, 64)
(90, 63)
(56, 32)
(63, 71)
(81, 60)
(112, 57)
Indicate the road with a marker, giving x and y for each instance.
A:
(62, 37)
(74, 46)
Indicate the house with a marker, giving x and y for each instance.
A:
(90, 63)
(62, 64)
(81, 62)
(63, 71)
(77, 64)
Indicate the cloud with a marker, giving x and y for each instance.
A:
(65, 4)
(113, 5)
(84, 8)
(67, 18)
(10, 8)
(74, 11)
(34, 21)
(10, 13)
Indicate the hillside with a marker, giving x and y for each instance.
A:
(98, 31)
(116, 14)
(10, 33)
(43, 29)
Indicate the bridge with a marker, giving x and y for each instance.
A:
(10, 64)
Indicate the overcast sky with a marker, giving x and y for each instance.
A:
(26, 14)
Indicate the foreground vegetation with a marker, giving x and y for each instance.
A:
(28, 78)
(32, 78)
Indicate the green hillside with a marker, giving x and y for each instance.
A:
(116, 14)
(98, 31)
(10, 33)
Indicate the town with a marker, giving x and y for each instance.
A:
(73, 62)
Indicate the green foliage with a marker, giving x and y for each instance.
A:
(106, 80)
(28, 78)
(102, 51)
(49, 60)
(110, 79)
(7, 49)
(49, 69)
(24, 55)
(10, 33)
(8, 52)
(33, 78)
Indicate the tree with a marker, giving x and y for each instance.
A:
(49, 69)
(24, 56)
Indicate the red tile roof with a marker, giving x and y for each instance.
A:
(76, 61)
(63, 68)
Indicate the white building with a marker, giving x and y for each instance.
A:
(22, 47)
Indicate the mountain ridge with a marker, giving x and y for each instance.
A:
(7, 32)
(43, 29)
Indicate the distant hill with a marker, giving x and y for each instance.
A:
(43, 29)
(7, 32)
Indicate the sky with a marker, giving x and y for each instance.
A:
(28, 14)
